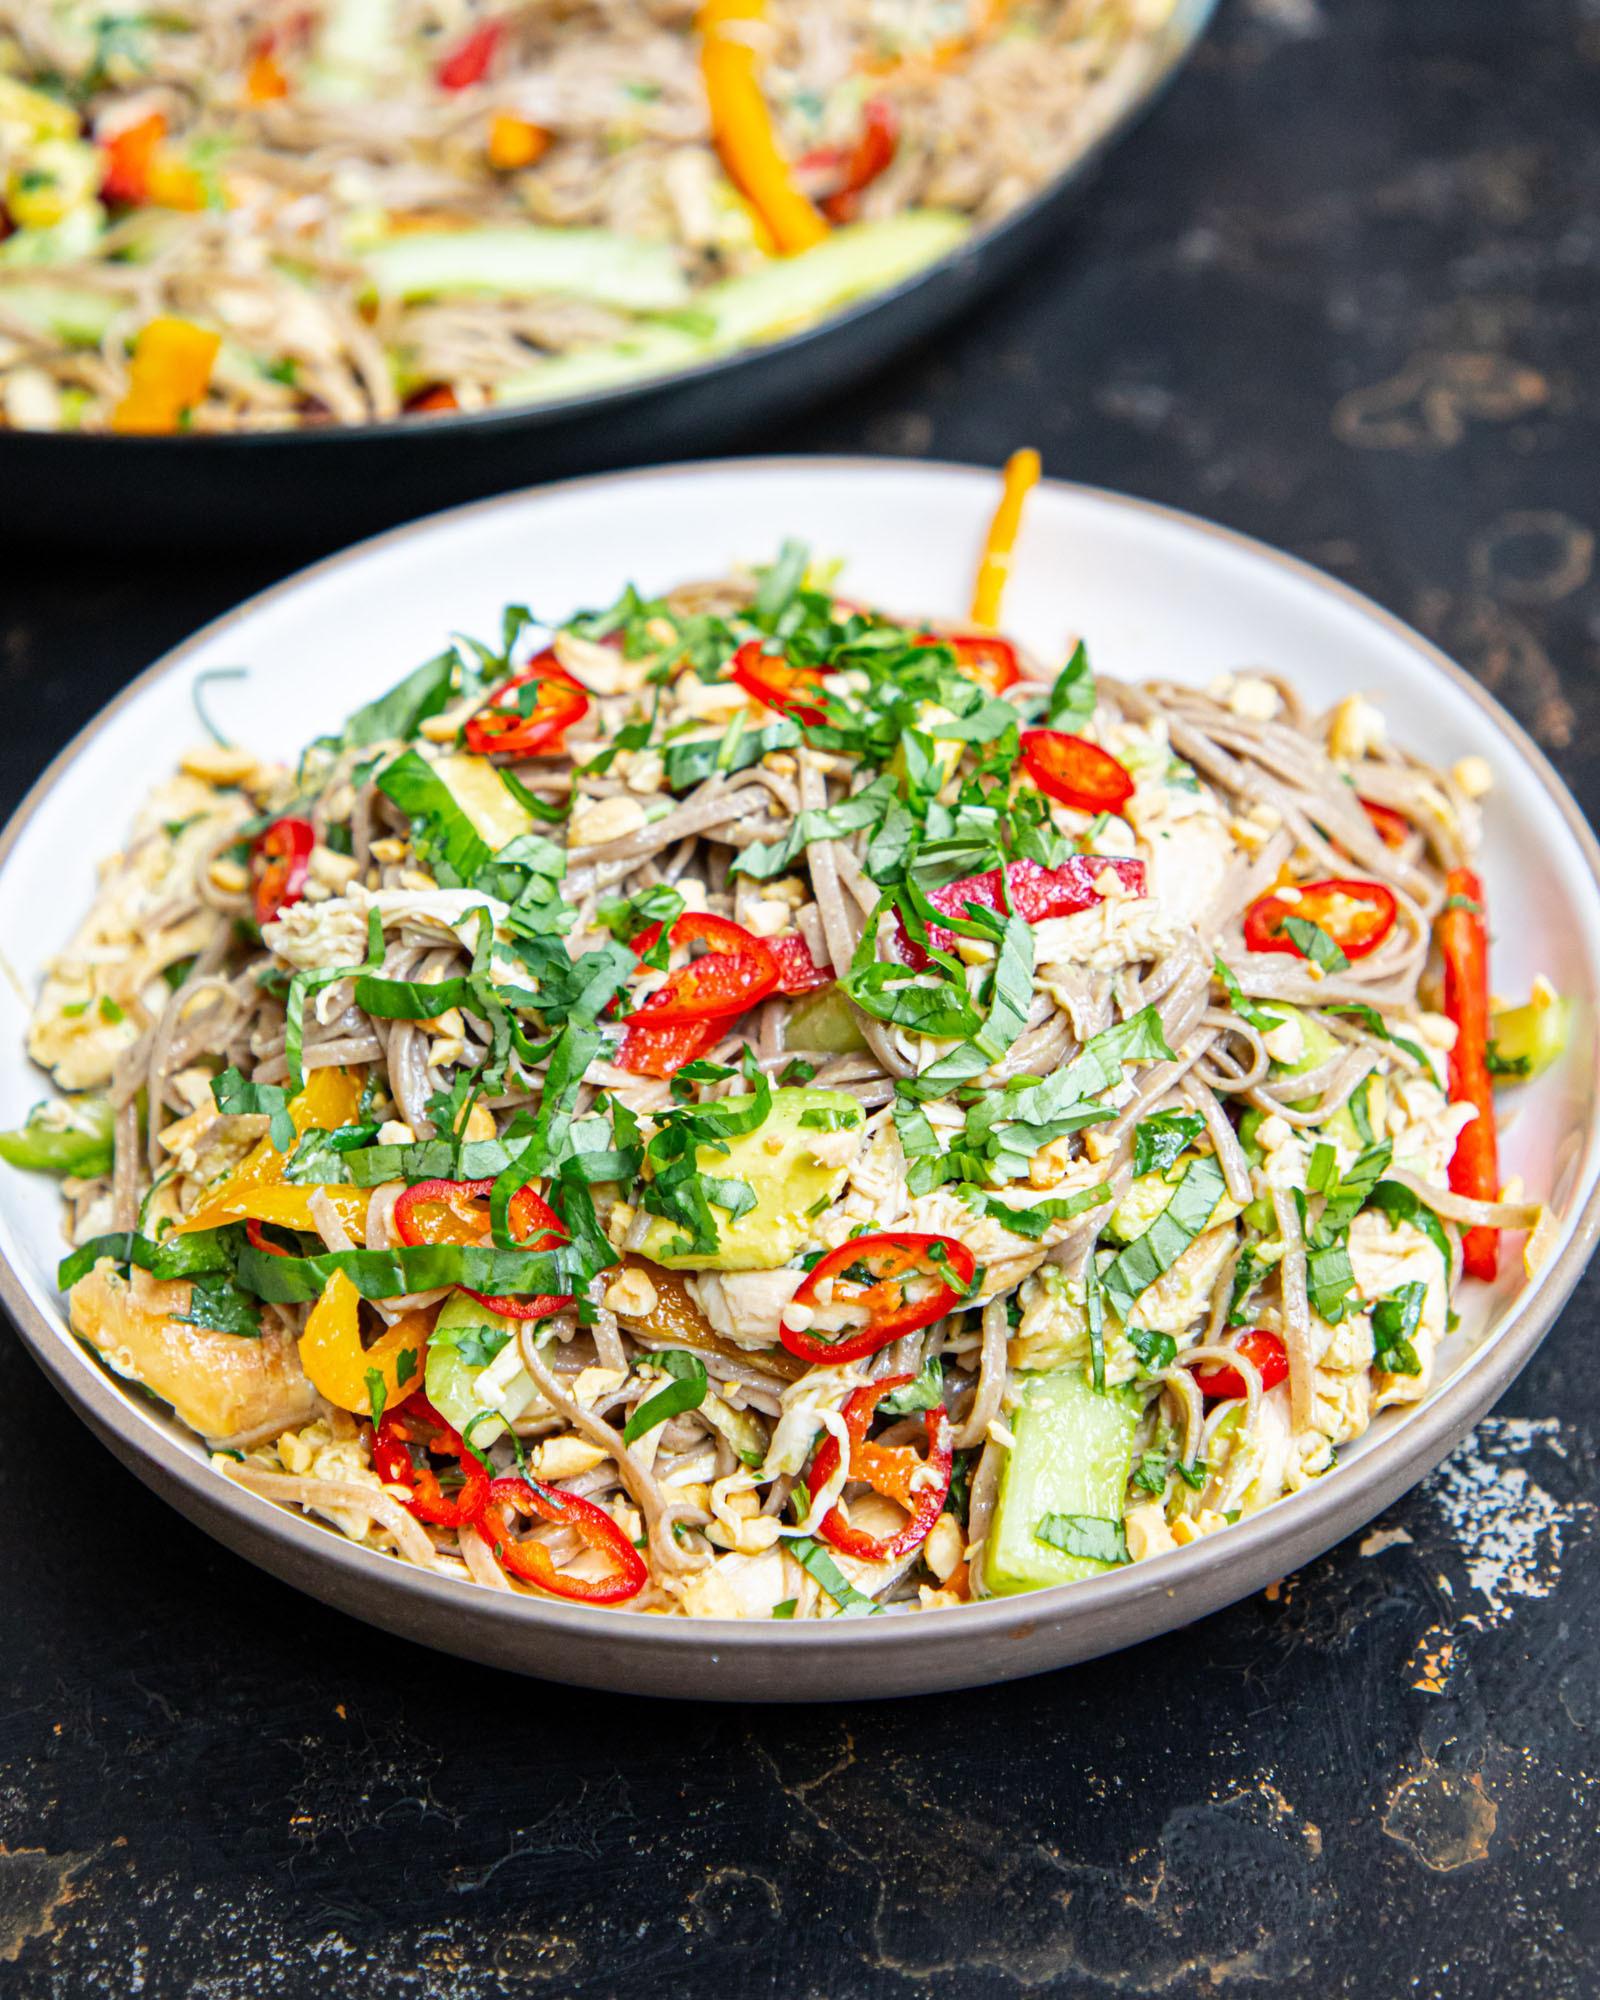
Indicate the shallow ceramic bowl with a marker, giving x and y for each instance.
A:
(1157, 593)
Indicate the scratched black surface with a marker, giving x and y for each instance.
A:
(1343, 292)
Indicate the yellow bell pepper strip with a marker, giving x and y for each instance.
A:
(741, 125)
(289, 1206)
(994, 571)
(168, 375)
(339, 1367)
(329, 1100)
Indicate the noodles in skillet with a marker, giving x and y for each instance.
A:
(748, 1104)
(220, 216)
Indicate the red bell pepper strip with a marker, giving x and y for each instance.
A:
(1036, 893)
(419, 1423)
(1463, 938)
(260, 1240)
(281, 859)
(1358, 916)
(559, 702)
(530, 1561)
(1265, 1349)
(895, 1471)
(449, 1212)
(771, 679)
(989, 661)
(857, 166)
(664, 1051)
(469, 61)
(736, 971)
(889, 1261)
(1075, 771)
(1393, 828)
(798, 971)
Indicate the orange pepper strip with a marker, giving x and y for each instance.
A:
(336, 1363)
(168, 375)
(515, 142)
(994, 571)
(742, 126)
(328, 1101)
(264, 79)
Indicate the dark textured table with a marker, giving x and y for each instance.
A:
(1342, 292)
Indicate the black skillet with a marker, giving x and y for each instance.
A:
(333, 483)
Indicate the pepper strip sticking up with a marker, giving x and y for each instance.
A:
(1475, 1165)
(994, 571)
(742, 126)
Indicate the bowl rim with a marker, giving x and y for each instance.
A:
(1167, 49)
(1418, 1440)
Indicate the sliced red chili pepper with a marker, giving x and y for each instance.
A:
(458, 1212)
(1463, 935)
(260, 1240)
(989, 661)
(1075, 771)
(888, 1260)
(771, 679)
(857, 166)
(420, 1424)
(469, 61)
(664, 1051)
(498, 728)
(530, 1561)
(1265, 1349)
(736, 971)
(895, 1471)
(1393, 827)
(1036, 893)
(281, 859)
(1358, 916)
(798, 971)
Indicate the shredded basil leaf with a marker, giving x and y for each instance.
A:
(925, 1391)
(812, 1556)
(1262, 1019)
(1072, 699)
(1395, 1320)
(1134, 1269)
(216, 1302)
(1314, 943)
(236, 1096)
(1088, 1536)
(1158, 1141)
(686, 1391)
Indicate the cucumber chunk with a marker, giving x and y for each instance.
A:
(1072, 1458)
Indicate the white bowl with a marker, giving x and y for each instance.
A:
(1155, 593)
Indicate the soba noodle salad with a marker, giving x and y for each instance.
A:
(751, 1103)
(222, 216)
